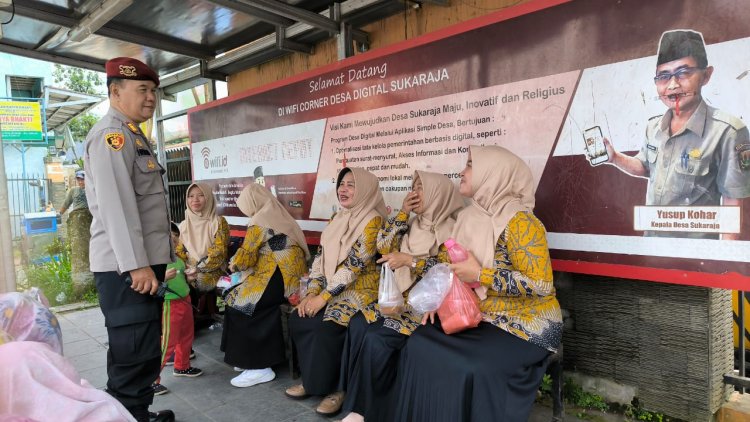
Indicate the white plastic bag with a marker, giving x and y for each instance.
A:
(389, 296)
(429, 293)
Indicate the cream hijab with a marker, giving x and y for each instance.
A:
(427, 231)
(264, 210)
(501, 186)
(349, 224)
(197, 230)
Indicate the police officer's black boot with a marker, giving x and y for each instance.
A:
(161, 416)
(140, 413)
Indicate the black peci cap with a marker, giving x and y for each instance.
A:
(681, 43)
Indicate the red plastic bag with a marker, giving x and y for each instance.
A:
(460, 309)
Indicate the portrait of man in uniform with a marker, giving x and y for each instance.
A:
(693, 154)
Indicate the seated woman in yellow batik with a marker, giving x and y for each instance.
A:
(505, 356)
(344, 282)
(205, 239)
(410, 246)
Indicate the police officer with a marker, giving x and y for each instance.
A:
(692, 154)
(130, 244)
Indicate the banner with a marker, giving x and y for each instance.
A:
(20, 121)
(641, 170)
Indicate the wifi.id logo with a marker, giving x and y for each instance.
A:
(206, 152)
(216, 163)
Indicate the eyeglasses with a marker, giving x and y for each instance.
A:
(680, 75)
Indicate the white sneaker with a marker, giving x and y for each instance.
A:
(238, 369)
(250, 377)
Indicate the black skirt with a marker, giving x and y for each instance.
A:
(370, 366)
(257, 341)
(481, 374)
(319, 347)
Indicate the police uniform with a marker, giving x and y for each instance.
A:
(698, 165)
(130, 230)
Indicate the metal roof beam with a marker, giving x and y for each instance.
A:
(272, 10)
(285, 44)
(34, 54)
(59, 16)
(269, 41)
(295, 13)
(248, 9)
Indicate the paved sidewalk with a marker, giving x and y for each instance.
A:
(209, 397)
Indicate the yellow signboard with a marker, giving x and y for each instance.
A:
(20, 121)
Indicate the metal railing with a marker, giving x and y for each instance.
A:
(26, 194)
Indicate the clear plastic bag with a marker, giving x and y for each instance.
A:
(429, 293)
(460, 308)
(390, 298)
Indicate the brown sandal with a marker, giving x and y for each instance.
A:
(331, 404)
(296, 392)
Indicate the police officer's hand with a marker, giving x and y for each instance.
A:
(144, 281)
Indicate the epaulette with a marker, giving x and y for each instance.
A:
(133, 128)
(727, 118)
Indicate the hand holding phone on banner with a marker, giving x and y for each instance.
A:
(596, 150)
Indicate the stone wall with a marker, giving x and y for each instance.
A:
(672, 342)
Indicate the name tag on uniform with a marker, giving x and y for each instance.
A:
(142, 152)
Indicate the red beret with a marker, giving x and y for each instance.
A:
(128, 68)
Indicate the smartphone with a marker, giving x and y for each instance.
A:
(595, 149)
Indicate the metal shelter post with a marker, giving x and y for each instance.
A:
(8, 272)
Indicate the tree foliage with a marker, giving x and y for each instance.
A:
(85, 82)
(78, 80)
(81, 125)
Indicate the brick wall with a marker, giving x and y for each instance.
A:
(672, 342)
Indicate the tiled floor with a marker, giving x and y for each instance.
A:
(209, 397)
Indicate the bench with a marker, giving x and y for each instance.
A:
(554, 365)
(291, 352)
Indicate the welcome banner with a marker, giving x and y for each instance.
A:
(554, 82)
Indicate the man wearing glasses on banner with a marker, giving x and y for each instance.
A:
(693, 153)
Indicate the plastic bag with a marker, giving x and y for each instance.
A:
(460, 309)
(299, 294)
(25, 317)
(429, 293)
(390, 298)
